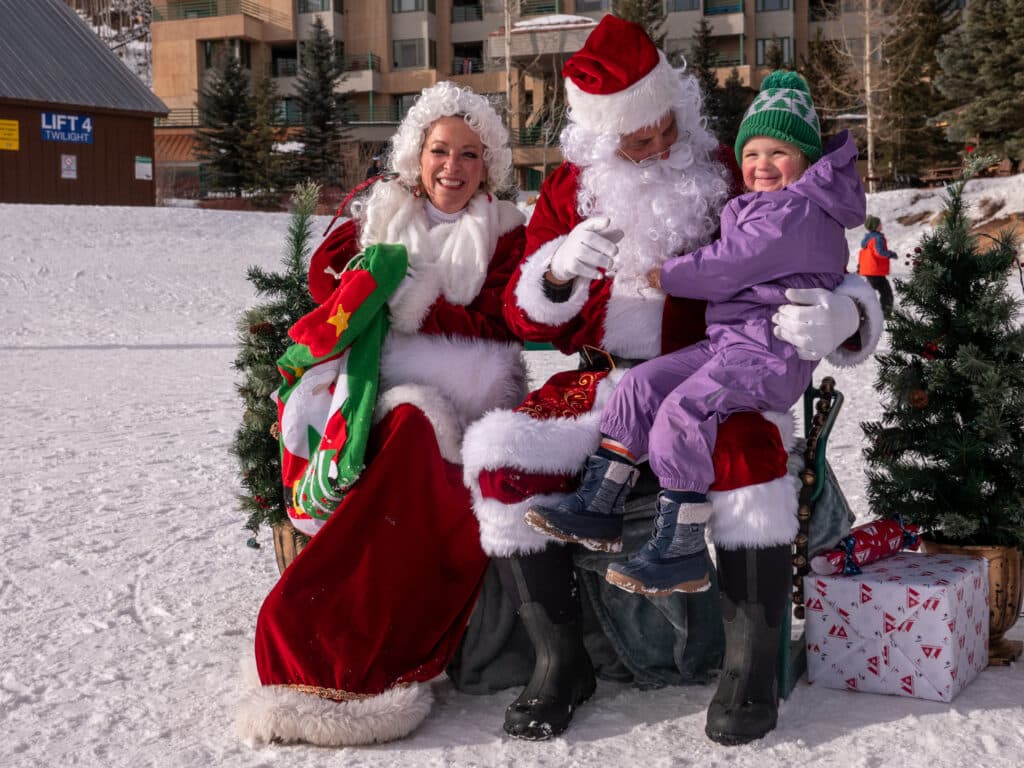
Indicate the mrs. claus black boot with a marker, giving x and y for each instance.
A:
(542, 586)
(754, 585)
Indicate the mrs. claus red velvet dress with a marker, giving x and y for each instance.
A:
(376, 603)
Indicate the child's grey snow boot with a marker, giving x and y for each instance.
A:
(592, 514)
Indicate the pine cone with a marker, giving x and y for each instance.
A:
(918, 398)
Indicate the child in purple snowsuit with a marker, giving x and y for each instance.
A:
(788, 231)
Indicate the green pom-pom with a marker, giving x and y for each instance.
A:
(784, 78)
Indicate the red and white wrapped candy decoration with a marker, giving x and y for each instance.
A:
(865, 544)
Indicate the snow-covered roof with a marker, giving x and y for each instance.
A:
(553, 21)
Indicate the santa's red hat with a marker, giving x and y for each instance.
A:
(619, 81)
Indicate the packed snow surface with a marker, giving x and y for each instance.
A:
(128, 596)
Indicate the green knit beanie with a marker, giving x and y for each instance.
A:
(783, 110)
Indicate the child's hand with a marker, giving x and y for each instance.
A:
(654, 277)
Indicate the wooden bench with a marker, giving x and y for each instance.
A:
(939, 175)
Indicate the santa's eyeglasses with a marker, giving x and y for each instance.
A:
(647, 162)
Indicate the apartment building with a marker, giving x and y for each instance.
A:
(392, 49)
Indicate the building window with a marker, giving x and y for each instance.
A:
(772, 5)
(467, 10)
(407, 53)
(407, 6)
(284, 62)
(241, 50)
(764, 43)
(315, 6)
(682, 5)
(582, 6)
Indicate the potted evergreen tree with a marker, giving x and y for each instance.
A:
(948, 451)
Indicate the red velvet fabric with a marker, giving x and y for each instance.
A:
(382, 593)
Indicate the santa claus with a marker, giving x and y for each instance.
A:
(643, 179)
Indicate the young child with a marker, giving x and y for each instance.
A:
(873, 262)
(786, 232)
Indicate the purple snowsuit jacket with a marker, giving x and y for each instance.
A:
(669, 407)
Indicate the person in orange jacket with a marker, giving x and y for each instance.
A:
(874, 260)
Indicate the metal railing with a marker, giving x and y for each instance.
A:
(537, 7)
(713, 7)
(176, 10)
(536, 136)
(361, 62)
(466, 65)
(388, 113)
(286, 68)
(179, 118)
(467, 13)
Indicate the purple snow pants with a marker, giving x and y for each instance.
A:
(670, 407)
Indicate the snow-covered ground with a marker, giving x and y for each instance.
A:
(127, 594)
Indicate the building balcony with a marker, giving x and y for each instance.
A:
(539, 7)
(465, 13)
(717, 7)
(179, 10)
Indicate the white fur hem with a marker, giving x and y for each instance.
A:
(755, 516)
(870, 331)
(555, 446)
(413, 299)
(503, 531)
(635, 107)
(786, 424)
(530, 289)
(280, 713)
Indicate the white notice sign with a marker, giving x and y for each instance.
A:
(69, 166)
(143, 168)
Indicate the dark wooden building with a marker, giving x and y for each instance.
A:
(76, 126)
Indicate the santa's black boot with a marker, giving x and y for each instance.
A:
(542, 586)
(754, 585)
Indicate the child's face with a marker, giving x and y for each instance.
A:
(769, 164)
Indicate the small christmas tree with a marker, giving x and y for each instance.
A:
(263, 338)
(948, 452)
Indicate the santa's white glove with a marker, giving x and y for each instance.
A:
(817, 321)
(587, 250)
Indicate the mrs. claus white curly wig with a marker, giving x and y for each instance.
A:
(444, 100)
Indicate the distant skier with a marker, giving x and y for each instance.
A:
(873, 262)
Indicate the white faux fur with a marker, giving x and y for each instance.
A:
(409, 305)
(638, 106)
(530, 289)
(762, 515)
(870, 331)
(436, 407)
(632, 325)
(503, 531)
(476, 375)
(510, 439)
(279, 713)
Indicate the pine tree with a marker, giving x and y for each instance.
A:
(322, 129)
(226, 116)
(701, 64)
(265, 174)
(910, 141)
(649, 14)
(833, 83)
(262, 339)
(948, 452)
(733, 101)
(983, 74)
(775, 55)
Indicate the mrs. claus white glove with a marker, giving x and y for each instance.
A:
(816, 322)
(587, 250)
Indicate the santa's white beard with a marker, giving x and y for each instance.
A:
(668, 208)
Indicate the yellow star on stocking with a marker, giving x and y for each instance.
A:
(340, 320)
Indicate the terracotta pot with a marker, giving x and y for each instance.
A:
(288, 542)
(1004, 593)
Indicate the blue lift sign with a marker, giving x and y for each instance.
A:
(74, 129)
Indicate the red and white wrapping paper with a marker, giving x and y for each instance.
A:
(910, 625)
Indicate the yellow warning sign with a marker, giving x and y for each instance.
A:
(9, 134)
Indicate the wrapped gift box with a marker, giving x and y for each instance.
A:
(910, 625)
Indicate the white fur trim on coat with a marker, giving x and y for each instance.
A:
(870, 331)
(509, 439)
(475, 374)
(530, 289)
(284, 714)
(632, 325)
(640, 105)
(755, 516)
